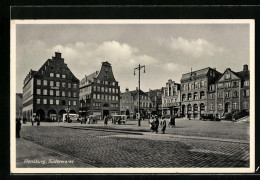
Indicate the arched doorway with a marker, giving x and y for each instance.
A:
(195, 110)
(227, 107)
(41, 114)
(61, 112)
(183, 110)
(52, 115)
(127, 112)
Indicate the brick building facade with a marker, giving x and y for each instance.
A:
(194, 91)
(155, 96)
(232, 92)
(100, 93)
(127, 106)
(48, 92)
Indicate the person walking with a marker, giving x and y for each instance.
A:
(38, 121)
(105, 120)
(18, 128)
(33, 120)
(156, 124)
(163, 125)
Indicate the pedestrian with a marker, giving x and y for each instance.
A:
(38, 121)
(18, 128)
(156, 124)
(105, 120)
(33, 120)
(163, 125)
(173, 120)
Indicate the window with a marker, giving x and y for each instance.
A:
(45, 92)
(74, 86)
(38, 92)
(98, 88)
(102, 89)
(212, 88)
(74, 94)
(63, 93)
(51, 83)
(94, 88)
(39, 82)
(38, 101)
(57, 102)
(220, 85)
(192, 86)
(63, 84)
(102, 96)
(247, 92)
(189, 86)
(51, 101)
(246, 83)
(109, 90)
(113, 98)
(116, 98)
(63, 102)
(211, 96)
(51, 92)
(202, 94)
(235, 84)
(227, 95)
(234, 93)
(69, 94)
(195, 96)
(98, 81)
(196, 85)
(235, 105)
(227, 84)
(220, 106)
(227, 76)
(113, 90)
(69, 85)
(116, 90)
(58, 75)
(98, 96)
(109, 97)
(44, 101)
(183, 97)
(69, 103)
(57, 93)
(74, 103)
(105, 97)
(63, 76)
(45, 82)
(51, 74)
(94, 96)
(245, 103)
(211, 107)
(189, 96)
(57, 84)
(106, 82)
(106, 89)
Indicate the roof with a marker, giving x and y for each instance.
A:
(196, 73)
(134, 93)
(91, 76)
(245, 75)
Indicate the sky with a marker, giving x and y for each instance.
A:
(166, 50)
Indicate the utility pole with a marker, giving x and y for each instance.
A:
(139, 68)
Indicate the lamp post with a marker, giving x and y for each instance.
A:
(139, 68)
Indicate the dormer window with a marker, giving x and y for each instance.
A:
(227, 76)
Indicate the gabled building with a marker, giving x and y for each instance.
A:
(156, 98)
(194, 91)
(232, 92)
(48, 92)
(100, 93)
(171, 99)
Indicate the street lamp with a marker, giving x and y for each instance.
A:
(139, 68)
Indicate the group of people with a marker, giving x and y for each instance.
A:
(36, 120)
(87, 120)
(154, 123)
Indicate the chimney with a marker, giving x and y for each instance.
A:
(57, 54)
(245, 67)
(126, 89)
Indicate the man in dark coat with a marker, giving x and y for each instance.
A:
(163, 125)
(18, 128)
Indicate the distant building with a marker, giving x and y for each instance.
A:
(127, 106)
(19, 105)
(232, 92)
(48, 92)
(100, 93)
(195, 87)
(171, 99)
(156, 98)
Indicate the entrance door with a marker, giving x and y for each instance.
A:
(227, 107)
(105, 113)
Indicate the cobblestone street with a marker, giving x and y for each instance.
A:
(190, 144)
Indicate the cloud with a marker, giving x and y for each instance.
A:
(194, 47)
(171, 67)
